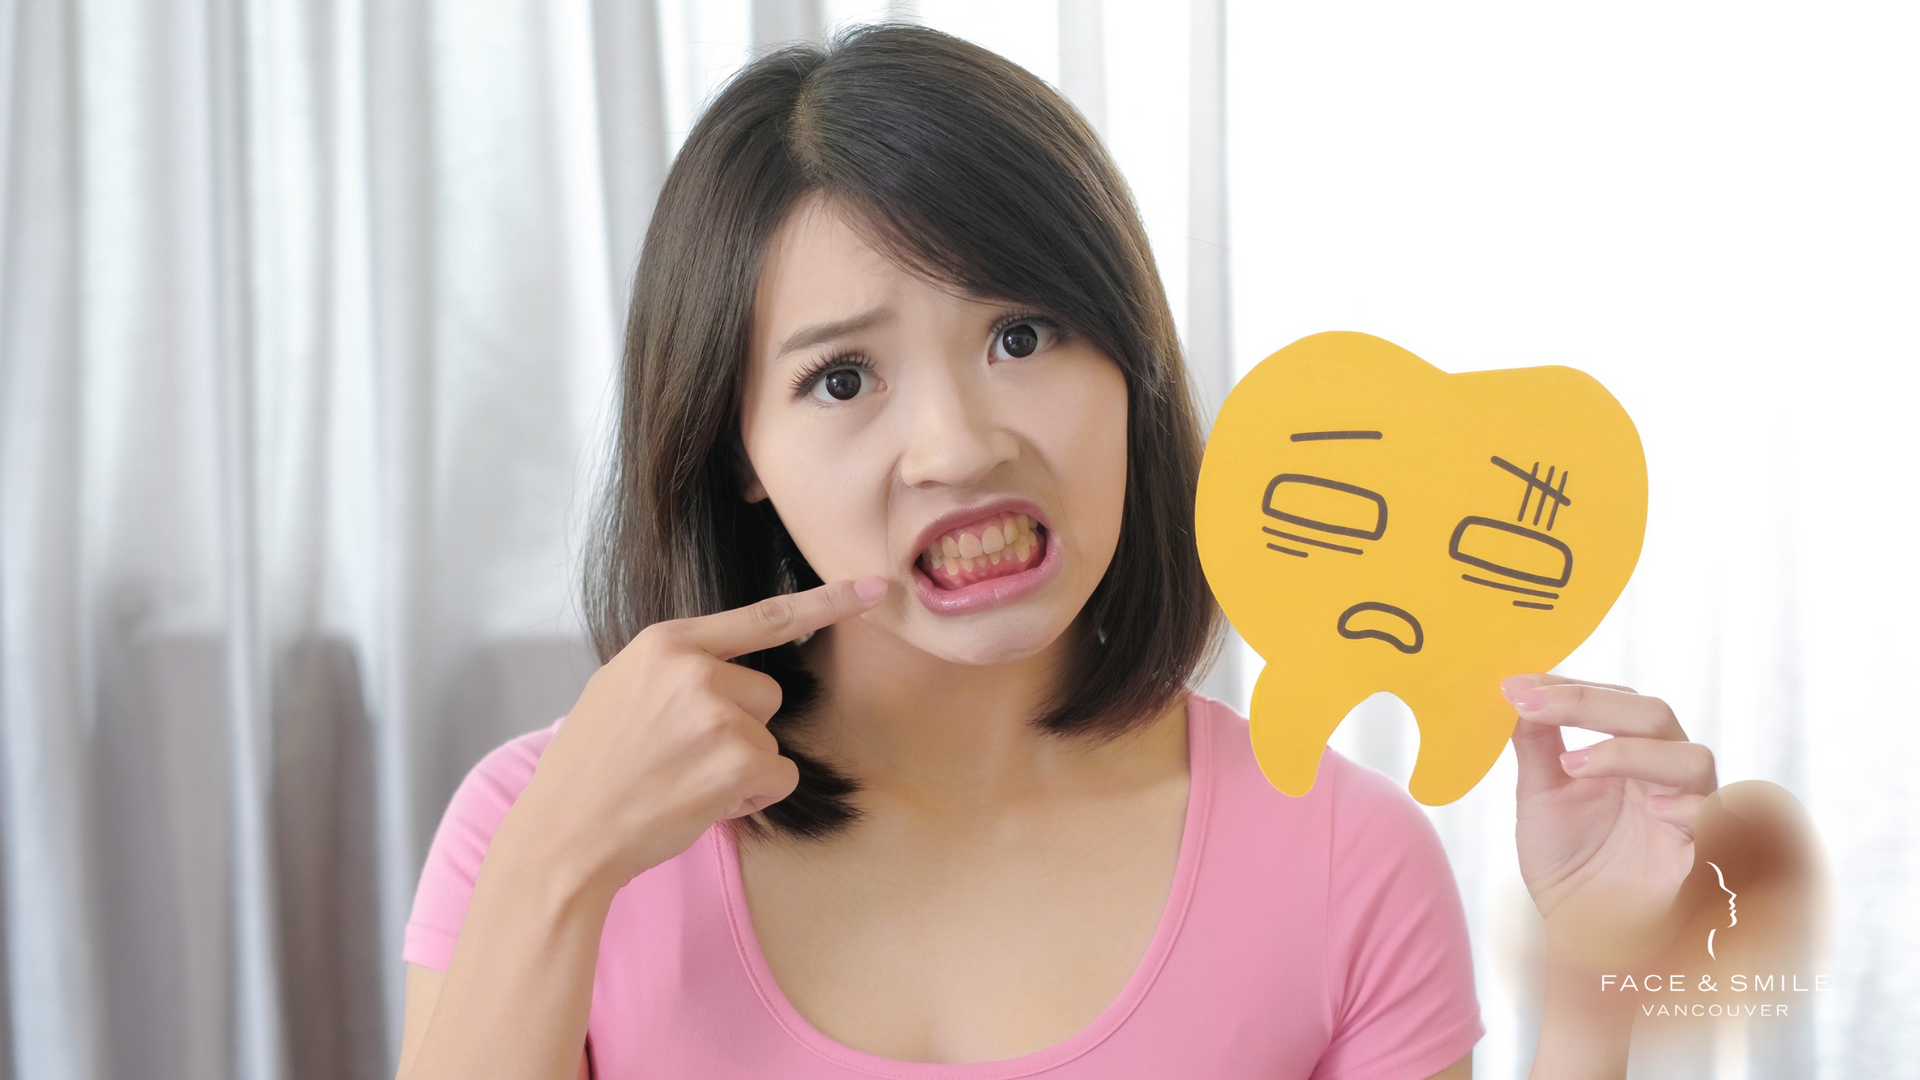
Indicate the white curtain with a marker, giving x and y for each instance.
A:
(308, 311)
(308, 321)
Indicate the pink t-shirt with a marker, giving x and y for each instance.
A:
(1316, 937)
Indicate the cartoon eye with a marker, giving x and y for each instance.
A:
(1511, 550)
(1314, 502)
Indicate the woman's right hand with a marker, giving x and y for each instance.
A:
(668, 737)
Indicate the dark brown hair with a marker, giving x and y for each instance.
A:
(968, 169)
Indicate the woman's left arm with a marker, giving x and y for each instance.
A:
(1606, 838)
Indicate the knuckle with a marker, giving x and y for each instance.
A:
(763, 695)
(659, 639)
(702, 676)
(775, 614)
(679, 680)
(1700, 757)
(739, 762)
(1664, 715)
(789, 773)
(716, 720)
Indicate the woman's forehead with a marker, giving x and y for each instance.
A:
(817, 261)
(823, 269)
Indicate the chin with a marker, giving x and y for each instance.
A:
(987, 650)
(986, 639)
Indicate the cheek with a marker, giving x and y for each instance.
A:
(1080, 428)
(819, 485)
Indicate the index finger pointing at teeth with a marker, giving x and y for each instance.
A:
(780, 619)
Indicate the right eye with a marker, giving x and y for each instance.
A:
(841, 384)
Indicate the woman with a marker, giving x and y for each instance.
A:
(892, 768)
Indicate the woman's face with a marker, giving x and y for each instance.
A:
(970, 450)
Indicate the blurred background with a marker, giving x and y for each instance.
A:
(308, 311)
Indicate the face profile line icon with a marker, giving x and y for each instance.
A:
(1733, 913)
(1371, 523)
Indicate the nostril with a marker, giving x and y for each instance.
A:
(1395, 626)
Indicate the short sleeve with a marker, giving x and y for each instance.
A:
(460, 845)
(1401, 967)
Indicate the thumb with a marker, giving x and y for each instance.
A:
(1537, 749)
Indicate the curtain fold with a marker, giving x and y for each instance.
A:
(52, 979)
(309, 317)
(1209, 324)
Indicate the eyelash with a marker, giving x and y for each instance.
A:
(804, 380)
(1008, 321)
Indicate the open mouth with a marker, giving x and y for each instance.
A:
(993, 547)
(984, 558)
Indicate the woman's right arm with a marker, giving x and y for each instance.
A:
(666, 739)
(423, 991)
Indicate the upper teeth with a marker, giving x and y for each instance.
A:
(1007, 536)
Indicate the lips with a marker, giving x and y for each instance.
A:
(987, 555)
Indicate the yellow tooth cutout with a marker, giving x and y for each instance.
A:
(1370, 522)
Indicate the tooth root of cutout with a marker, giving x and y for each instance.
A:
(1462, 732)
(992, 547)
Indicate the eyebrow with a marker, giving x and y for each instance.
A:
(820, 333)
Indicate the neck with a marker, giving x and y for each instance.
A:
(924, 732)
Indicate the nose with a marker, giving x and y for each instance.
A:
(953, 437)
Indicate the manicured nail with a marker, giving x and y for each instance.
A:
(1523, 691)
(1573, 760)
(872, 587)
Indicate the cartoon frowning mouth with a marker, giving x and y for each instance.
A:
(1395, 626)
(1732, 913)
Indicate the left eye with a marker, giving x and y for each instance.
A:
(1021, 339)
(841, 384)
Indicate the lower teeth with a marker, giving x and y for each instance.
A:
(955, 571)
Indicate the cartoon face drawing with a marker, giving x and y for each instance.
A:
(1369, 522)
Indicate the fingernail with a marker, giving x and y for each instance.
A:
(872, 587)
(1524, 692)
(1573, 760)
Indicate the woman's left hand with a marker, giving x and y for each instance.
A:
(1606, 832)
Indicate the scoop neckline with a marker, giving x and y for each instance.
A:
(1145, 973)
